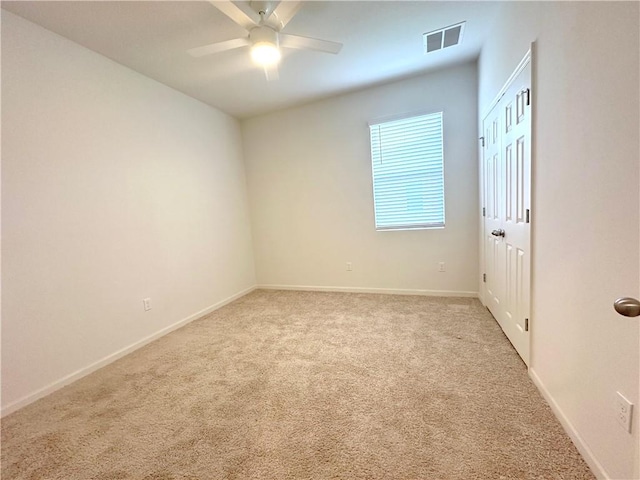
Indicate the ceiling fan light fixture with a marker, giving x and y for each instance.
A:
(265, 54)
(264, 46)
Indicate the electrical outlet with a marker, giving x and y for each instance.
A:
(147, 304)
(441, 267)
(624, 411)
(349, 267)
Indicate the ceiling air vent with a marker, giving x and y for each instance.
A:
(443, 38)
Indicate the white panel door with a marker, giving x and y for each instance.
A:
(507, 193)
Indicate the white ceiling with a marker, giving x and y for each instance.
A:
(382, 42)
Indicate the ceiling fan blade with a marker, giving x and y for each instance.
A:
(271, 72)
(244, 19)
(306, 43)
(284, 12)
(218, 47)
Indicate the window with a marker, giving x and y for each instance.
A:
(408, 173)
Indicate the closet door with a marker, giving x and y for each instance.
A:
(506, 227)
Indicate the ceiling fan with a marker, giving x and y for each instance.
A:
(264, 24)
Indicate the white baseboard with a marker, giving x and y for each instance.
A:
(390, 291)
(52, 387)
(596, 468)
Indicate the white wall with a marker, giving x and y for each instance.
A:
(585, 210)
(115, 188)
(310, 189)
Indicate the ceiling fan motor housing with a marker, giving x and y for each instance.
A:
(263, 34)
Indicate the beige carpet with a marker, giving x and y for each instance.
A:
(301, 385)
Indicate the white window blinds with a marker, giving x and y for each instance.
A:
(408, 172)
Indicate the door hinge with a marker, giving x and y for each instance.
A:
(484, 277)
(482, 138)
(527, 216)
(528, 92)
(484, 212)
(526, 324)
